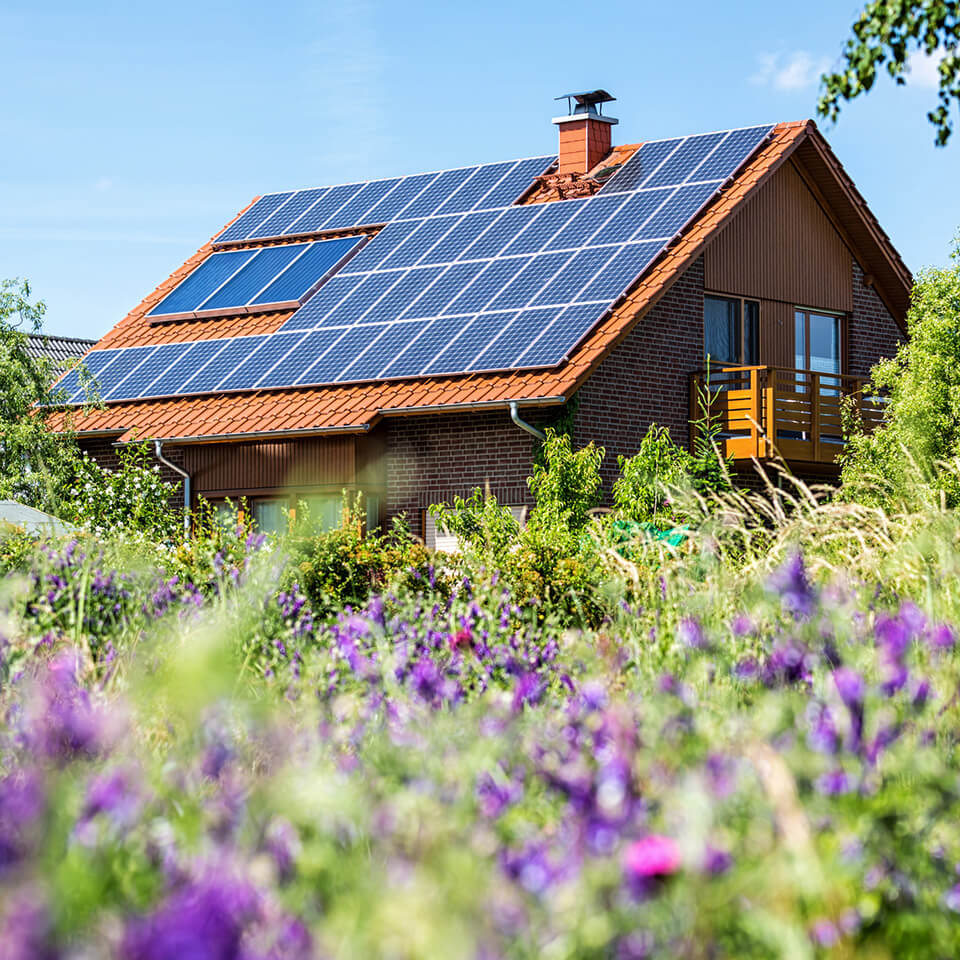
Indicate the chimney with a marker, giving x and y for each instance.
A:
(585, 134)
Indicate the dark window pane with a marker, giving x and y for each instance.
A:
(721, 329)
(800, 340)
(751, 324)
(824, 343)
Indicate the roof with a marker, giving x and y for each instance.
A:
(58, 349)
(32, 520)
(357, 407)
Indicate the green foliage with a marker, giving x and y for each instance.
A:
(133, 498)
(479, 520)
(887, 32)
(665, 484)
(344, 566)
(35, 464)
(922, 383)
(647, 480)
(567, 484)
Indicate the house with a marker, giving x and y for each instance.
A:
(405, 336)
(61, 350)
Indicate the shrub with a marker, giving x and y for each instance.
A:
(134, 497)
(904, 458)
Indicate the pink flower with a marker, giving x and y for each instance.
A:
(653, 856)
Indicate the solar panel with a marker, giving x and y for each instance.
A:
(306, 271)
(234, 352)
(686, 158)
(246, 283)
(118, 369)
(458, 280)
(242, 280)
(260, 211)
(561, 336)
(480, 183)
(380, 350)
(295, 207)
(205, 280)
(353, 212)
(270, 351)
(510, 343)
(171, 380)
(474, 335)
(517, 181)
(148, 371)
(93, 363)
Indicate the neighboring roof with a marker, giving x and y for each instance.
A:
(358, 407)
(58, 349)
(33, 521)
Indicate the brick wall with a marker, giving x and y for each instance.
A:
(646, 378)
(431, 459)
(105, 453)
(873, 333)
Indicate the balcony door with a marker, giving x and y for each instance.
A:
(817, 339)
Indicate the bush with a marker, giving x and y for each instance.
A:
(904, 458)
(133, 498)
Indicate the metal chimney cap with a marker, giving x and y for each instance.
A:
(588, 101)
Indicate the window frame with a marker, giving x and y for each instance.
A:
(842, 334)
(741, 301)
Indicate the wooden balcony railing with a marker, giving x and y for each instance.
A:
(764, 412)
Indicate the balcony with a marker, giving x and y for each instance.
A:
(770, 412)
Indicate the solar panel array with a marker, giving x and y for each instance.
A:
(459, 280)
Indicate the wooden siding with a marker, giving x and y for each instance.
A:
(776, 333)
(782, 247)
(241, 468)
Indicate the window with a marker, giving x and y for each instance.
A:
(326, 512)
(730, 327)
(817, 341)
(271, 516)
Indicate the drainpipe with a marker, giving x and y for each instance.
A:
(158, 449)
(522, 424)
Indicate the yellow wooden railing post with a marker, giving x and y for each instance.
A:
(815, 415)
(755, 415)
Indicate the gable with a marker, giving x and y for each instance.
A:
(782, 247)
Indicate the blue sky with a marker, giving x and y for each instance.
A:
(135, 131)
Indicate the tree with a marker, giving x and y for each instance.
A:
(922, 429)
(888, 32)
(36, 464)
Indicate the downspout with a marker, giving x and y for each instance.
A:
(158, 449)
(522, 424)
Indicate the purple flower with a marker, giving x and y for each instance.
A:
(833, 783)
(528, 691)
(22, 803)
(205, 919)
(790, 582)
(824, 934)
(283, 845)
(25, 930)
(952, 898)
(63, 722)
(690, 633)
(492, 796)
(893, 637)
(110, 793)
(716, 861)
(942, 637)
(742, 625)
(850, 686)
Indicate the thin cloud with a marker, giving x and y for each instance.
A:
(789, 72)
